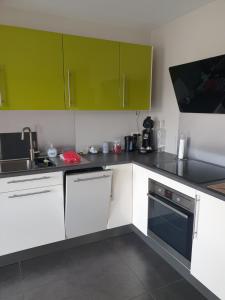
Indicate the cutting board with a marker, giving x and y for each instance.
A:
(218, 187)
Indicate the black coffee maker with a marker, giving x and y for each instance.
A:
(147, 136)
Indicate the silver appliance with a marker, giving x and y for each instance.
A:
(171, 220)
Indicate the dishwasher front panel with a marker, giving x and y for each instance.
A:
(87, 202)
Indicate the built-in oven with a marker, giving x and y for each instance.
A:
(170, 220)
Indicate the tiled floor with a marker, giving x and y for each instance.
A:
(115, 269)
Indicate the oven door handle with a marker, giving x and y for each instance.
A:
(168, 206)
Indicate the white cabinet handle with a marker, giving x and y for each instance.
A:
(29, 179)
(68, 87)
(29, 194)
(196, 216)
(2, 87)
(124, 90)
(91, 178)
(1, 99)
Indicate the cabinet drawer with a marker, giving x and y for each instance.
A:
(30, 181)
(31, 218)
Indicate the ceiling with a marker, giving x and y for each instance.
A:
(139, 14)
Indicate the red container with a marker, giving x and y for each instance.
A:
(71, 157)
(117, 147)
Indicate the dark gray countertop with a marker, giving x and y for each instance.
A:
(98, 160)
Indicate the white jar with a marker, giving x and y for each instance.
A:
(181, 147)
(105, 148)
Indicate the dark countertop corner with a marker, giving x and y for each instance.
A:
(149, 161)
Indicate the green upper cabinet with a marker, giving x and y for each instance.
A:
(41, 70)
(31, 69)
(91, 72)
(135, 76)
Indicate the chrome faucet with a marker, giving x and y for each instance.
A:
(31, 141)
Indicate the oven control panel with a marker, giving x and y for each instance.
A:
(171, 195)
(168, 194)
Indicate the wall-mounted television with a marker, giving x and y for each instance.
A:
(200, 85)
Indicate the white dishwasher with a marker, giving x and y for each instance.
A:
(87, 202)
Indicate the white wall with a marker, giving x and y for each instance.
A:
(10, 16)
(194, 36)
(52, 126)
(72, 129)
(97, 127)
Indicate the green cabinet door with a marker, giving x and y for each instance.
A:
(91, 72)
(135, 76)
(31, 69)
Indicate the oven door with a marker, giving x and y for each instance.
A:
(171, 224)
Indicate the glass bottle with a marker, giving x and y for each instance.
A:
(161, 136)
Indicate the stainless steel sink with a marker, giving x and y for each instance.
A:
(43, 162)
(25, 164)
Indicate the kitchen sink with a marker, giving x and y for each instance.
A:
(17, 165)
(43, 162)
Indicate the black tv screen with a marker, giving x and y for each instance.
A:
(200, 86)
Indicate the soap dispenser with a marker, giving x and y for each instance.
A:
(52, 152)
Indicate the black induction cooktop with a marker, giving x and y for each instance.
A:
(193, 170)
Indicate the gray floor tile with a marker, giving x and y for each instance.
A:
(144, 296)
(14, 297)
(122, 268)
(116, 282)
(93, 271)
(10, 283)
(177, 291)
(43, 269)
(54, 290)
(152, 270)
(95, 256)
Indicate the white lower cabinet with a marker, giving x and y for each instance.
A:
(31, 218)
(140, 198)
(208, 252)
(120, 212)
(87, 202)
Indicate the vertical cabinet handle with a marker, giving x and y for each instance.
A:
(196, 216)
(68, 88)
(1, 99)
(2, 86)
(124, 91)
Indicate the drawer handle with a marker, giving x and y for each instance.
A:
(91, 178)
(29, 194)
(29, 179)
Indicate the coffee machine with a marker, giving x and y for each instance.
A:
(147, 145)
